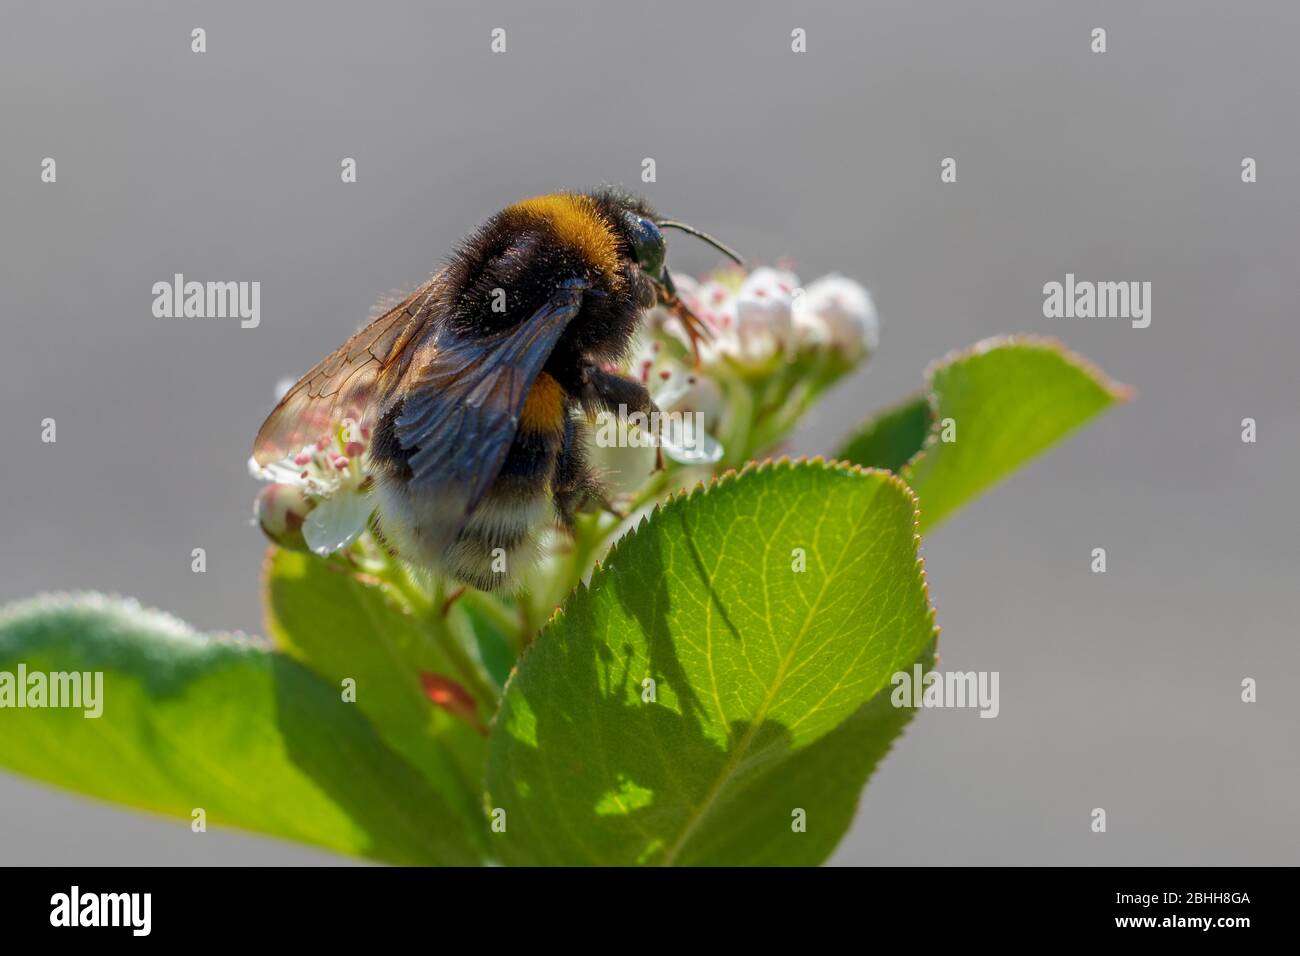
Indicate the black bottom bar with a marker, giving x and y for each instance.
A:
(334, 905)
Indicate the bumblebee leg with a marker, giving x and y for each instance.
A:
(607, 391)
(693, 325)
(574, 483)
(608, 507)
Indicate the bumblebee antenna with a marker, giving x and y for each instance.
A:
(729, 253)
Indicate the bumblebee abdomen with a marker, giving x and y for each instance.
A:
(546, 408)
(500, 536)
(498, 540)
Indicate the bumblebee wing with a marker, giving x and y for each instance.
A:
(459, 417)
(349, 382)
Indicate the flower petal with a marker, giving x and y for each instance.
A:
(688, 444)
(336, 522)
(839, 312)
(279, 472)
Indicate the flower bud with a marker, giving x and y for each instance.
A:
(838, 313)
(280, 511)
(764, 320)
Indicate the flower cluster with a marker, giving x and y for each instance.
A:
(774, 347)
(767, 316)
(318, 500)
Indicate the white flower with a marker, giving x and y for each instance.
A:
(684, 390)
(838, 313)
(320, 493)
(764, 317)
(750, 315)
(692, 404)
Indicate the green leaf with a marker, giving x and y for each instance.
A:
(764, 678)
(344, 628)
(219, 723)
(1006, 399)
(891, 438)
(824, 779)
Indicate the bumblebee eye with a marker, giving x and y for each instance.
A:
(648, 244)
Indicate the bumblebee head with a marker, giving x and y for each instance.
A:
(641, 231)
(647, 242)
(640, 234)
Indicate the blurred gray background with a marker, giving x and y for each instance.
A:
(1118, 690)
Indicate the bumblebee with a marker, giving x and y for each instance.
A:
(478, 387)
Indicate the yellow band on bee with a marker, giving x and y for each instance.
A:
(576, 220)
(543, 410)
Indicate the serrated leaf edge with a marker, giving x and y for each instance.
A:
(1118, 391)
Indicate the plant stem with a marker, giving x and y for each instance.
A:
(470, 675)
(428, 609)
(505, 618)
